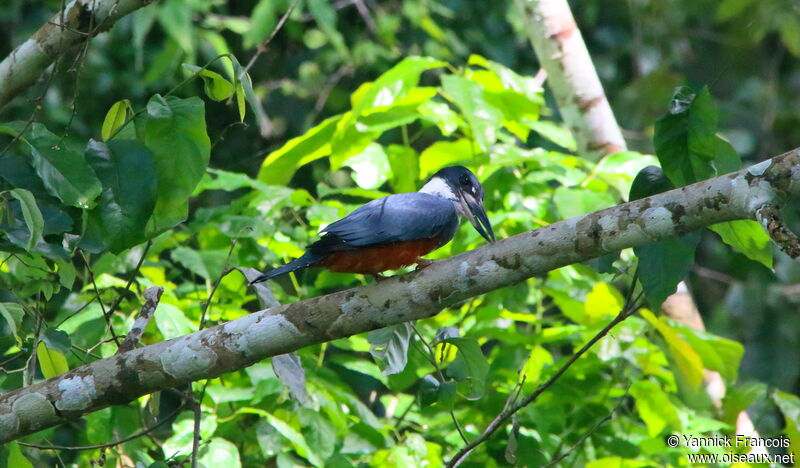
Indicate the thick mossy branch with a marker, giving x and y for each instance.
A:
(282, 329)
(80, 20)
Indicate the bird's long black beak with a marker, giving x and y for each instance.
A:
(476, 214)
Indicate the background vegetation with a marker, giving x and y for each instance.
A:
(351, 101)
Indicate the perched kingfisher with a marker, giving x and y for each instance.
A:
(395, 231)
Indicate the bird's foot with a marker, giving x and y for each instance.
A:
(424, 263)
(379, 277)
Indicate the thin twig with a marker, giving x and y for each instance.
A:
(117, 301)
(107, 444)
(106, 315)
(627, 311)
(225, 270)
(432, 358)
(263, 46)
(591, 431)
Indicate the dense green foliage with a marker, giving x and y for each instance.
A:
(153, 179)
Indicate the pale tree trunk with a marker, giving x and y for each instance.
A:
(585, 109)
(746, 194)
(79, 21)
(572, 77)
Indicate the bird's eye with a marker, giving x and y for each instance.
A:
(464, 181)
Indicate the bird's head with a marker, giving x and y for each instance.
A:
(459, 185)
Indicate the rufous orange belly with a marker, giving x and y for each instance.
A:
(375, 259)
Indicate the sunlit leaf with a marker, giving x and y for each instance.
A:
(117, 116)
(686, 358)
(444, 153)
(31, 215)
(748, 237)
(51, 362)
(280, 165)
(654, 407)
(216, 87)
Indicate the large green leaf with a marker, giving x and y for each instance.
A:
(127, 202)
(470, 367)
(51, 361)
(686, 358)
(685, 138)
(175, 131)
(664, 264)
(654, 407)
(393, 84)
(390, 346)
(62, 168)
(790, 408)
(404, 163)
(484, 118)
(280, 165)
(445, 153)
(748, 237)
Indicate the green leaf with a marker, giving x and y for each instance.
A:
(484, 119)
(748, 237)
(15, 457)
(51, 362)
(117, 116)
(685, 138)
(532, 370)
(790, 407)
(393, 84)
(686, 358)
(319, 433)
(325, 16)
(654, 407)
(172, 322)
(573, 201)
(218, 453)
(296, 438)
(649, 181)
(215, 86)
(370, 167)
(127, 203)
(62, 168)
(280, 165)
(289, 370)
(175, 131)
(665, 264)
(469, 367)
(31, 214)
(444, 153)
(262, 21)
(740, 397)
(206, 263)
(404, 164)
(718, 354)
(176, 18)
(243, 85)
(57, 340)
(13, 313)
(602, 302)
(390, 346)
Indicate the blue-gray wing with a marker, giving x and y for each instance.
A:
(396, 218)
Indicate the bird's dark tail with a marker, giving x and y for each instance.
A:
(306, 260)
